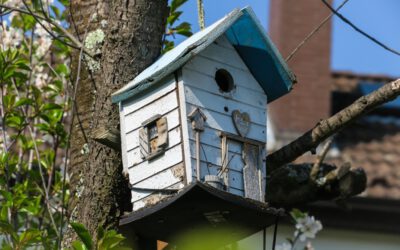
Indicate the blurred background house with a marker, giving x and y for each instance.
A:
(371, 221)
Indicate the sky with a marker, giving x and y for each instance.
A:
(350, 50)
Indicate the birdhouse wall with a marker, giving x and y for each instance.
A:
(200, 90)
(166, 170)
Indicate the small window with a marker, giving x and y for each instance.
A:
(153, 137)
(224, 80)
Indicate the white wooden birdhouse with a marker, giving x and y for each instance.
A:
(199, 113)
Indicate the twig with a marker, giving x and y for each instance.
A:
(332, 125)
(359, 30)
(74, 111)
(312, 33)
(320, 158)
(36, 149)
(76, 43)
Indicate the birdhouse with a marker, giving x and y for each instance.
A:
(198, 115)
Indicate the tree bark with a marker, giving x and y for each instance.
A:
(325, 128)
(133, 30)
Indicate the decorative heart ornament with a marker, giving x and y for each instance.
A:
(241, 122)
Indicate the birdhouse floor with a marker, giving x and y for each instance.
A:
(200, 205)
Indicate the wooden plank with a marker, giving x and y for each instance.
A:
(148, 198)
(213, 155)
(252, 172)
(145, 169)
(224, 55)
(223, 122)
(235, 177)
(139, 102)
(160, 180)
(241, 93)
(132, 137)
(185, 128)
(123, 139)
(134, 156)
(209, 67)
(218, 103)
(224, 42)
(237, 192)
(160, 106)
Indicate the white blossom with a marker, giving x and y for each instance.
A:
(14, 3)
(10, 37)
(309, 246)
(43, 40)
(284, 246)
(40, 76)
(307, 227)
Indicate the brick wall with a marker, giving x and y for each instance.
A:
(309, 101)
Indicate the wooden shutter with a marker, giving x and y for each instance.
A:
(144, 143)
(162, 129)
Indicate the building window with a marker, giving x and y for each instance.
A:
(153, 137)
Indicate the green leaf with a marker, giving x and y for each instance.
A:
(175, 4)
(173, 17)
(24, 101)
(111, 240)
(50, 106)
(297, 214)
(83, 234)
(15, 121)
(30, 236)
(78, 245)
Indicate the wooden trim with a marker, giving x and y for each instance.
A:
(241, 139)
(184, 127)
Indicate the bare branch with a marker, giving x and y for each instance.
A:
(332, 125)
(320, 158)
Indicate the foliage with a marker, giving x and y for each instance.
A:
(35, 107)
(306, 228)
(34, 104)
(108, 240)
(183, 29)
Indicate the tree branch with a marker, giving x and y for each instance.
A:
(333, 124)
(76, 43)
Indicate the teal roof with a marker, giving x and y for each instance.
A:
(247, 36)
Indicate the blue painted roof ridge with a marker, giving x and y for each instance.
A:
(181, 54)
(276, 53)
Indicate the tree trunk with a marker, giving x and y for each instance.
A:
(133, 31)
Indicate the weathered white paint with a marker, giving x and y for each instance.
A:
(151, 198)
(159, 181)
(158, 172)
(198, 80)
(134, 157)
(123, 138)
(175, 99)
(139, 102)
(201, 91)
(185, 128)
(160, 106)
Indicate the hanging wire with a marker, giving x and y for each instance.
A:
(359, 30)
(275, 232)
(205, 156)
(265, 239)
(313, 32)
